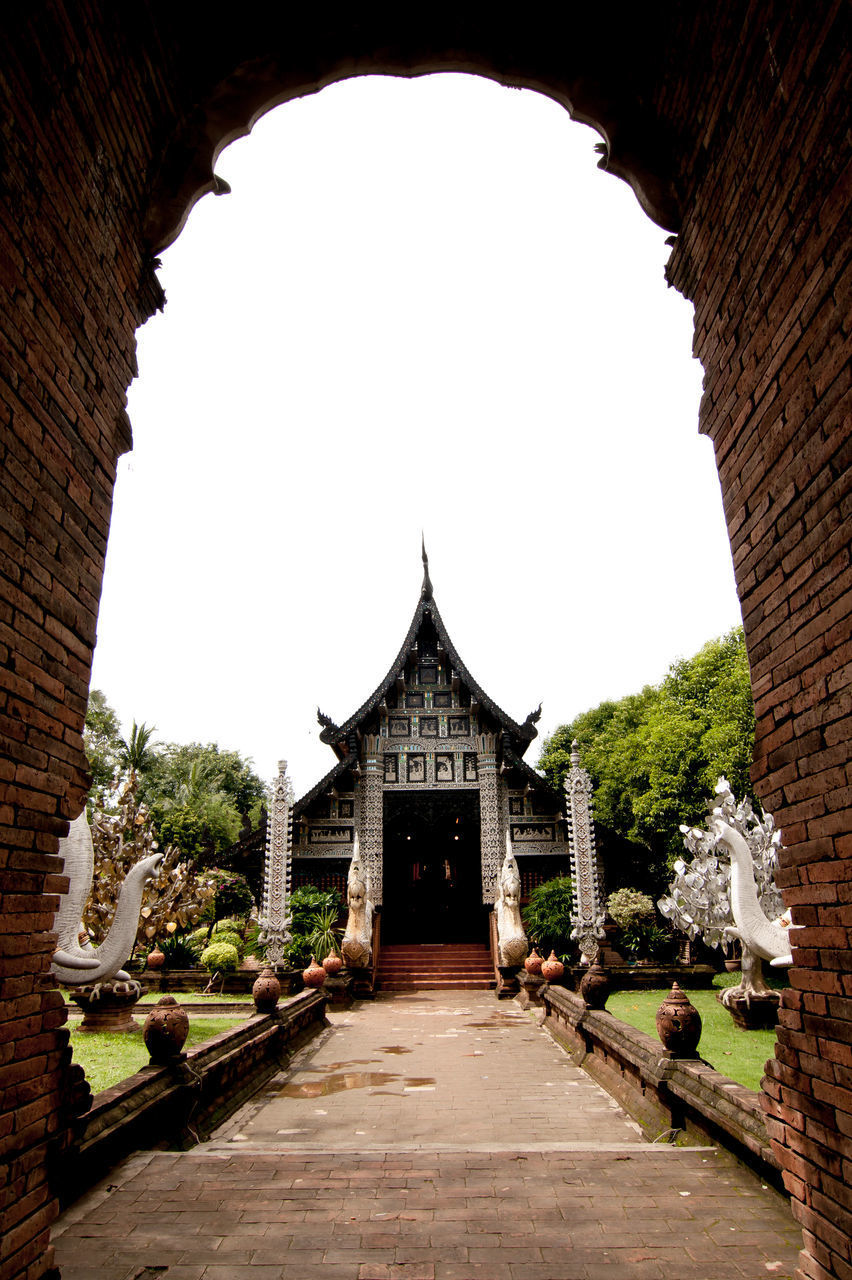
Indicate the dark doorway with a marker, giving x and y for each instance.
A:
(432, 877)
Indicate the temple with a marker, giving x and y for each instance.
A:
(430, 774)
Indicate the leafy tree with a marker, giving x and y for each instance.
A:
(655, 755)
(184, 773)
(102, 741)
(199, 796)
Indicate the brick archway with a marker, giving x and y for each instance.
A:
(731, 126)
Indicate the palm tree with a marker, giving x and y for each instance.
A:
(136, 752)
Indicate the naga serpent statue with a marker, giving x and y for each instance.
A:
(357, 945)
(512, 943)
(767, 938)
(77, 964)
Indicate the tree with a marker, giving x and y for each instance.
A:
(199, 796)
(137, 751)
(184, 772)
(655, 755)
(102, 742)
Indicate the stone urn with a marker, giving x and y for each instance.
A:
(333, 963)
(266, 991)
(552, 968)
(678, 1025)
(595, 986)
(108, 1006)
(156, 958)
(533, 962)
(165, 1030)
(314, 975)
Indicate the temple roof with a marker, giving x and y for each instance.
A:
(337, 736)
(323, 785)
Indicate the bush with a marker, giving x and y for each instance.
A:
(203, 937)
(220, 957)
(636, 917)
(227, 935)
(178, 952)
(628, 907)
(547, 916)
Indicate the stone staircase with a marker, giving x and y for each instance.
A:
(452, 966)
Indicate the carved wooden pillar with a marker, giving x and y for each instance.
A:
(274, 918)
(588, 916)
(491, 826)
(371, 816)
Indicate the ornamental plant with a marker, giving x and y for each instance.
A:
(635, 916)
(220, 957)
(547, 916)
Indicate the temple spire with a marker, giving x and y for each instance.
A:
(426, 589)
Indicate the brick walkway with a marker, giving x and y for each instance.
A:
(430, 1137)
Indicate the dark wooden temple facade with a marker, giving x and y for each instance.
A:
(431, 775)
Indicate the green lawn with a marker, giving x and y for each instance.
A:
(195, 997)
(735, 1053)
(108, 1058)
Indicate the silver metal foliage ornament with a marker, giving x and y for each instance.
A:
(699, 898)
(588, 915)
(275, 918)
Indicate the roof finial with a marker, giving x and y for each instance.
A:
(426, 589)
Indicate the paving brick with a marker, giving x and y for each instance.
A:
(498, 1212)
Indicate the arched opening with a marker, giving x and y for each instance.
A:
(452, 321)
(115, 121)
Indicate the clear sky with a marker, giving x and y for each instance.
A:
(421, 308)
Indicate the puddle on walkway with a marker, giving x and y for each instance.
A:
(340, 1081)
(395, 1048)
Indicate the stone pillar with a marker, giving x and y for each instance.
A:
(274, 918)
(371, 816)
(491, 826)
(588, 916)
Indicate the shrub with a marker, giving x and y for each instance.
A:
(220, 957)
(547, 915)
(636, 917)
(179, 954)
(628, 907)
(227, 935)
(203, 937)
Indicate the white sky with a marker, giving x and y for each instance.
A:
(422, 307)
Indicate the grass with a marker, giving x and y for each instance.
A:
(196, 997)
(736, 1053)
(107, 1058)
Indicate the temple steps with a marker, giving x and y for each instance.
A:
(461, 966)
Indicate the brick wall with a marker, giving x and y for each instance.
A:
(764, 255)
(71, 267)
(744, 119)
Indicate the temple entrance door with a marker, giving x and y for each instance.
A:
(432, 877)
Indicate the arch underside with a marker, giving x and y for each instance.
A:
(598, 73)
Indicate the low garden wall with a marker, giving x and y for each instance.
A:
(647, 977)
(179, 1104)
(239, 982)
(667, 1096)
